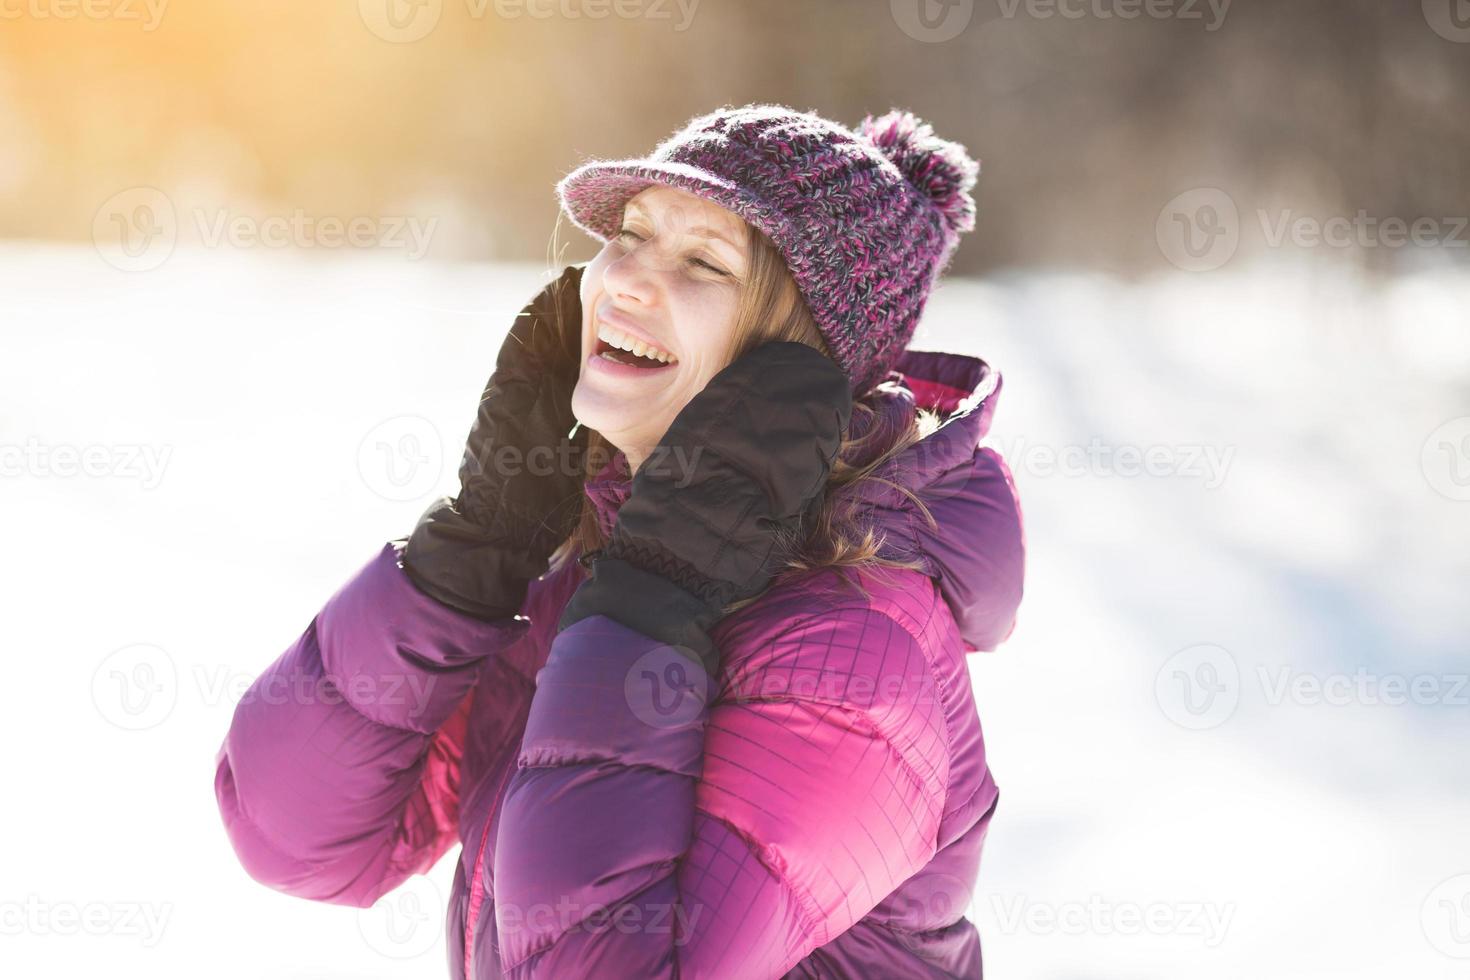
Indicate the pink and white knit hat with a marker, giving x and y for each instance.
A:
(866, 220)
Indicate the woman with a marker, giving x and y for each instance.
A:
(688, 646)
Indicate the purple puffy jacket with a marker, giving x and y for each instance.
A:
(821, 816)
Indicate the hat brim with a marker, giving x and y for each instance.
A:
(594, 195)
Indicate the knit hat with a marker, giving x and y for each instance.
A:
(866, 220)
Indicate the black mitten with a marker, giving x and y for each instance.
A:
(521, 476)
(737, 473)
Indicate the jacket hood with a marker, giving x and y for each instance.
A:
(975, 546)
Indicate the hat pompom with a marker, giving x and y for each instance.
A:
(941, 169)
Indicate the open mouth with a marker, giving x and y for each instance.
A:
(618, 347)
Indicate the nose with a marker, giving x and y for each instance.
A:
(628, 279)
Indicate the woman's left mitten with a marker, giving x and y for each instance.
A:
(727, 487)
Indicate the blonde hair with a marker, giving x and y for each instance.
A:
(771, 308)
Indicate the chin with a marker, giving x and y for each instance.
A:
(616, 418)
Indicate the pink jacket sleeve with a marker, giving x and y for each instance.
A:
(339, 776)
(731, 845)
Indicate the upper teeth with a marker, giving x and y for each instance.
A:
(616, 338)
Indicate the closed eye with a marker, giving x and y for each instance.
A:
(628, 233)
(717, 271)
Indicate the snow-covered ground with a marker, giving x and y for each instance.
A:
(1231, 728)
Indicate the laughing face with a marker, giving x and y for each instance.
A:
(659, 305)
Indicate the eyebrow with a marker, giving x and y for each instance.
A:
(702, 230)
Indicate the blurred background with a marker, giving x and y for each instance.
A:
(255, 263)
(1088, 115)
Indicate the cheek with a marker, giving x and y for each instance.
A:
(592, 277)
(706, 320)
(591, 294)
